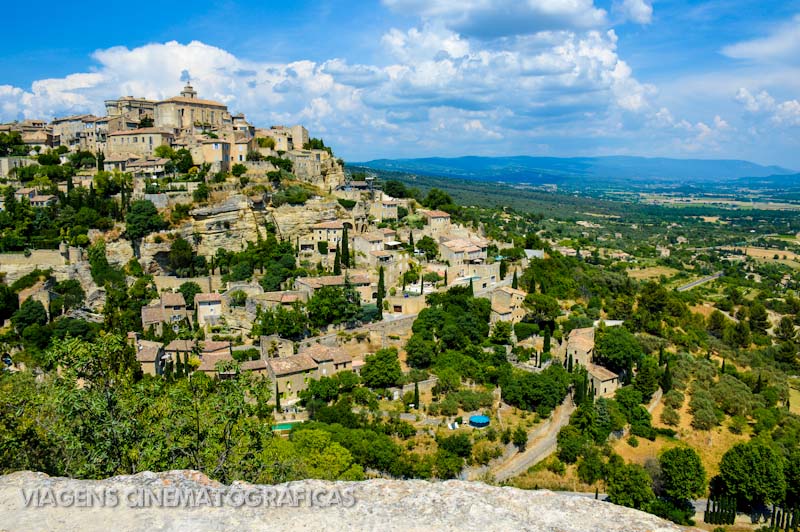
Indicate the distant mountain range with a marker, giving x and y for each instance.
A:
(537, 170)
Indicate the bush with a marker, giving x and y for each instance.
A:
(633, 441)
(346, 203)
(670, 416)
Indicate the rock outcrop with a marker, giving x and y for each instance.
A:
(186, 500)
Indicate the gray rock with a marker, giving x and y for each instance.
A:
(386, 505)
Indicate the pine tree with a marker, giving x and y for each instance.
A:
(515, 281)
(345, 248)
(337, 262)
(381, 293)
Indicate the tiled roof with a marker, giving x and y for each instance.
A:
(180, 345)
(172, 299)
(332, 224)
(148, 351)
(601, 373)
(437, 214)
(323, 353)
(208, 297)
(333, 280)
(254, 365)
(142, 131)
(292, 364)
(152, 314)
(198, 101)
(513, 291)
(212, 346)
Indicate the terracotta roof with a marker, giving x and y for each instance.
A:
(292, 364)
(212, 346)
(151, 315)
(582, 339)
(501, 309)
(147, 351)
(333, 280)
(198, 101)
(180, 345)
(331, 224)
(601, 373)
(208, 362)
(172, 299)
(208, 297)
(513, 291)
(323, 353)
(372, 237)
(437, 214)
(381, 253)
(278, 297)
(143, 131)
(254, 365)
(156, 161)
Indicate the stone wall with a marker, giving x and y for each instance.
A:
(378, 504)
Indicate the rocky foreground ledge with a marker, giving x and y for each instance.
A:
(187, 500)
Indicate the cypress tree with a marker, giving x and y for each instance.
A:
(277, 397)
(445, 277)
(569, 364)
(471, 288)
(666, 379)
(723, 366)
(515, 281)
(596, 494)
(411, 241)
(381, 293)
(345, 249)
(337, 262)
(547, 340)
(661, 355)
(416, 395)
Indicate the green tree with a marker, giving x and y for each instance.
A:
(515, 281)
(382, 369)
(786, 330)
(630, 485)
(541, 307)
(759, 320)
(181, 257)
(428, 246)
(437, 199)
(337, 262)
(381, 293)
(752, 472)
(238, 170)
(142, 219)
(683, 476)
(201, 193)
(616, 348)
(189, 289)
(646, 381)
(520, 438)
(345, 248)
(31, 312)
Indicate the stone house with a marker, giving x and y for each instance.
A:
(602, 381)
(437, 221)
(291, 376)
(507, 305)
(208, 307)
(140, 142)
(274, 346)
(463, 251)
(361, 282)
(330, 232)
(169, 309)
(187, 112)
(580, 344)
(330, 360)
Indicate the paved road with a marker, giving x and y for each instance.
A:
(541, 443)
(698, 282)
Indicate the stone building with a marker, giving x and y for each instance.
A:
(507, 305)
(187, 113)
(291, 376)
(603, 382)
(169, 309)
(208, 307)
(140, 142)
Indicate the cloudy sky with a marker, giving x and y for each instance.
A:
(411, 78)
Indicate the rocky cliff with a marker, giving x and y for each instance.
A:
(187, 500)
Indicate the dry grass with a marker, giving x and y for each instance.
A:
(547, 480)
(652, 272)
(710, 445)
(794, 401)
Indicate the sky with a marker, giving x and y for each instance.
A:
(420, 78)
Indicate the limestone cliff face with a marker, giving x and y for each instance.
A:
(185, 500)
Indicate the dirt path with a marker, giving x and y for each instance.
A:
(541, 443)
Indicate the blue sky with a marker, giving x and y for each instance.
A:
(408, 78)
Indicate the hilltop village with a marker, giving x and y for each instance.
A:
(182, 289)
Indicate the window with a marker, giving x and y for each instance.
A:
(216, 146)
